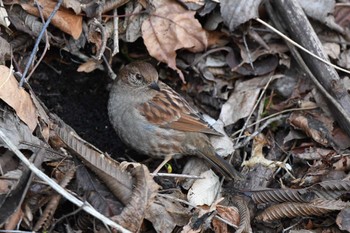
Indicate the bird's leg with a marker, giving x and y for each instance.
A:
(167, 158)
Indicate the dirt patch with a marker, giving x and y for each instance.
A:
(80, 99)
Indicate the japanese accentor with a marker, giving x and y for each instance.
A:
(154, 120)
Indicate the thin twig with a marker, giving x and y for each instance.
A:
(115, 32)
(111, 73)
(110, 5)
(85, 206)
(96, 24)
(189, 204)
(47, 44)
(35, 49)
(250, 60)
(195, 62)
(300, 47)
(252, 111)
(273, 115)
(261, 128)
(177, 175)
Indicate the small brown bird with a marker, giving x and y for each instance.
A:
(154, 120)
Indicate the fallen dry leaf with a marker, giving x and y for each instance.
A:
(89, 66)
(343, 164)
(5, 49)
(204, 191)
(314, 126)
(17, 98)
(171, 27)
(260, 141)
(165, 213)
(63, 19)
(243, 98)
(228, 213)
(235, 13)
(343, 220)
(318, 10)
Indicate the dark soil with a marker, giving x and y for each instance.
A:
(80, 99)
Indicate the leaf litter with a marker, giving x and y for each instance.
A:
(281, 132)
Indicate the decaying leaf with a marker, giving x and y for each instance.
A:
(312, 153)
(4, 49)
(223, 144)
(321, 11)
(316, 126)
(120, 182)
(332, 50)
(171, 27)
(343, 219)
(63, 19)
(142, 198)
(137, 192)
(260, 141)
(17, 98)
(317, 207)
(75, 5)
(45, 219)
(201, 218)
(195, 167)
(235, 13)
(259, 61)
(204, 191)
(96, 193)
(89, 66)
(166, 214)
(343, 164)
(327, 190)
(243, 99)
(134, 22)
(229, 213)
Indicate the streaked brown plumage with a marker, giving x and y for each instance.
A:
(153, 119)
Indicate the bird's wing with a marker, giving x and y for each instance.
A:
(168, 109)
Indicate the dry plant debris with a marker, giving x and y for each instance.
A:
(284, 126)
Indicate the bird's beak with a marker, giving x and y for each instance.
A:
(154, 86)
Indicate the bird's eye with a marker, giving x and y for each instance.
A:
(139, 76)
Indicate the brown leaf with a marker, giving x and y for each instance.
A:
(46, 217)
(17, 98)
(171, 27)
(308, 152)
(142, 198)
(243, 98)
(89, 66)
(165, 214)
(14, 220)
(228, 213)
(318, 207)
(343, 164)
(118, 181)
(312, 127)
(63, 19)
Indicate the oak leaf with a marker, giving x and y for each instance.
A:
(171, 27)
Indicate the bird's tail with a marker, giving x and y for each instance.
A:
(223, 166)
